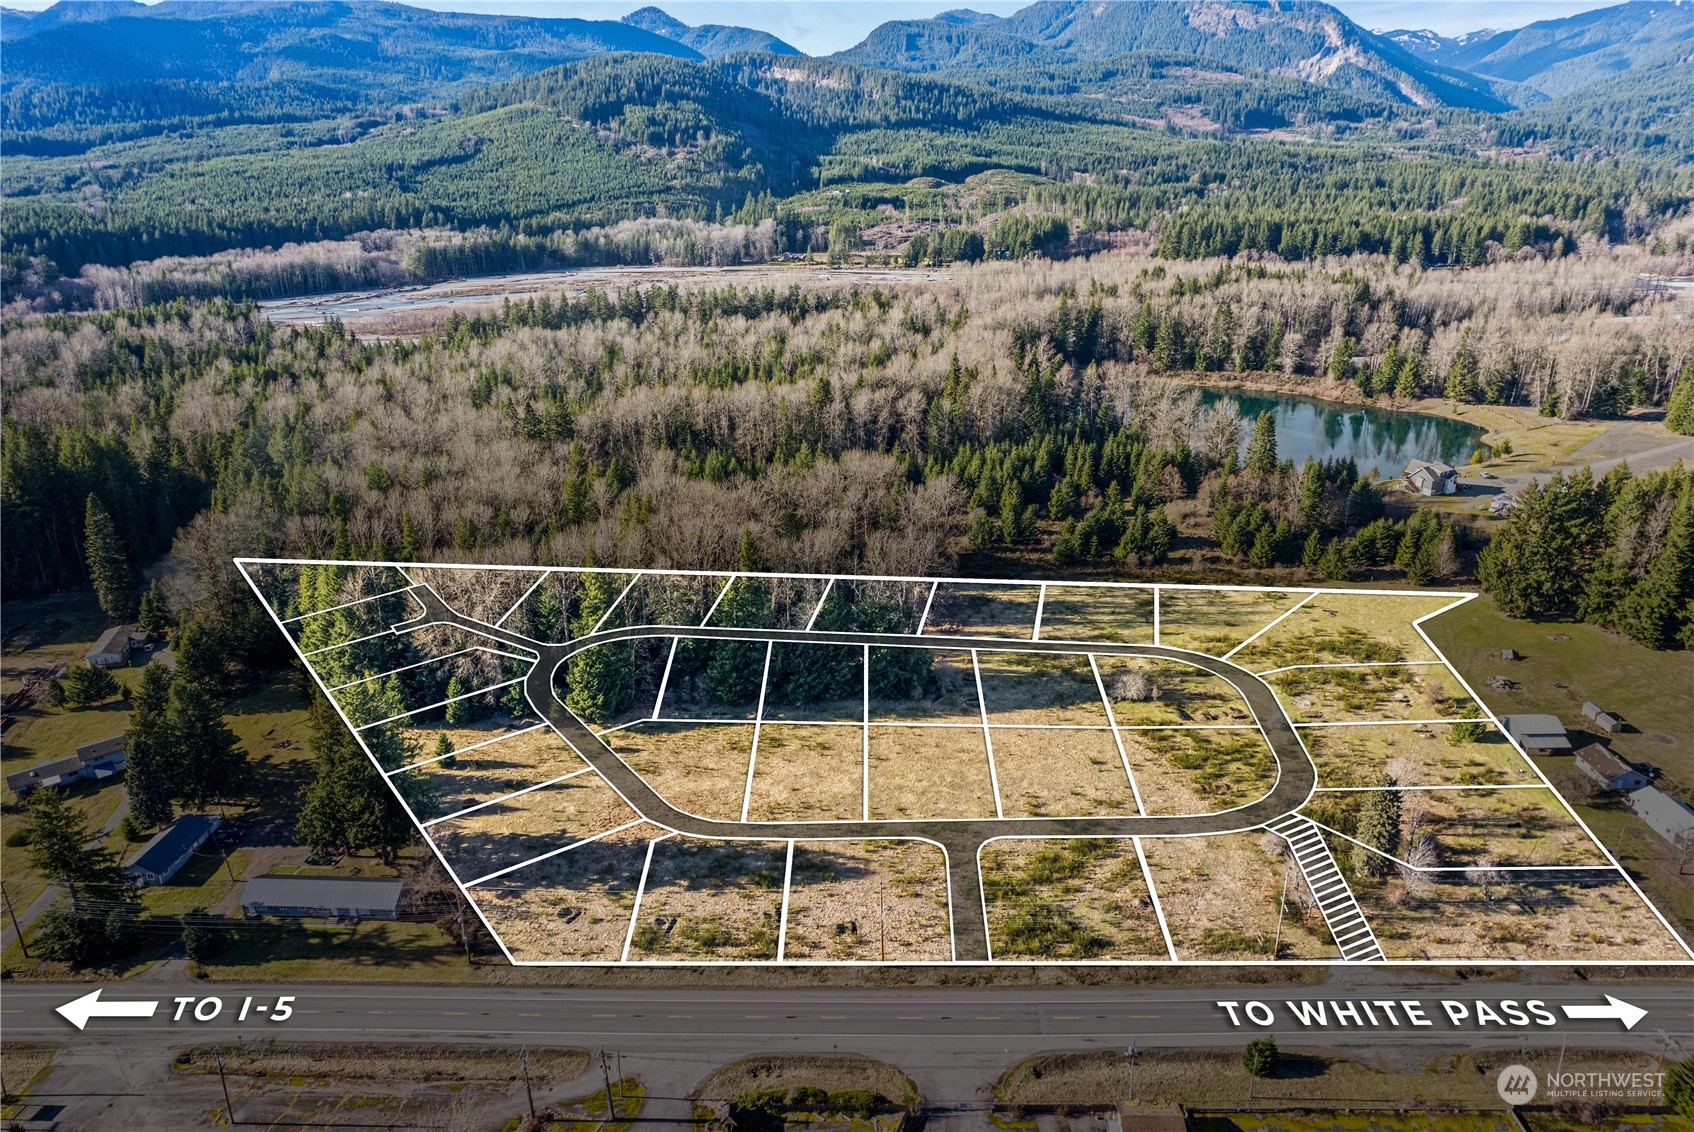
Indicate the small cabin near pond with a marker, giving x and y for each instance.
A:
(1432, 477)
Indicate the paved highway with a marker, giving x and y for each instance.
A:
(960, 839)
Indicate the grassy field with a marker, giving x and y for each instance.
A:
(832, 1074)
(572, 907)
(1565, 664)
(1216, 1079)
(868, 900)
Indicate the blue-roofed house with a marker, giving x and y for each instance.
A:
(169, 849)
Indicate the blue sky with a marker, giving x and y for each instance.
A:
(819, 27)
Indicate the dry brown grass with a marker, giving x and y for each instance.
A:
(1386, 692)
(1318, 633)
(1029, 687)
(424, 738)
(27, 1063)
(806, 773)
(485, 595)
(1186, 694)
(329, 1062)
(697, 767)
(1088, 613)
(1215, 621)
(527, 825)
(1220, 896)
(953, 686)
(868, 900)
(1567, 922)
(572, 907)
(1053, 773)
(983, 610)
(1416, 755)
(710, 900)
(497, 769)
(930, 772)
(1083, 898)
(1199, 770)
(1216, 1078)
(832, 1074)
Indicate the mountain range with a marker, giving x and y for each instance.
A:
(391, 51)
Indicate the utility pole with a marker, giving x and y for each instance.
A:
(606, 1076)
(529, 1096)
(4, 895)
(229, 1109)
(1132, 1053)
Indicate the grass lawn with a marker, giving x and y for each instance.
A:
(266, 950)
(201, 883)
(1565, 664)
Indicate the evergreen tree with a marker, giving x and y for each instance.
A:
(348, 805)
(1312, 495)
(150, 749)
(1312, 553)
(154, 616)
(1263, 551)
(60, 850)
(1653, 610)
(1679, 410)
(600, 681)
(108, 565)
(207, 761)
(200, 657)
(1408, 385)
(85, 684)
(1261, 449)
(1379, 827)
(1462, 373)
(1535, 563)
(458, 710)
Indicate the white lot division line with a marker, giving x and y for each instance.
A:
(988, 741)
(1122, 753)
(465, 750)
(865, 781)
(1474, 786)
(506, 797)
(1156, 617)
(758, 723)
(1466, 868)
(977, 726)
(577, 844)
(1273, 624)
(1417, 627)
(433, 660)
(918, 632)
(443, 703)
(619, 601)
(782, 920)
(343, 605)
(1153, 896)
(823, 597)
(518, 604)
(665, 680)
(707, 620)
(1353, 664)
(342, 645)
(1386, 722)
(1040, 608)
(640, 891)
(446, 865)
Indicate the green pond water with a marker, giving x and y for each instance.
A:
(1383, 439)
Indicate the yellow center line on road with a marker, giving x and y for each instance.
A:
(758, 1017)
(602, 1015)
(679, 1016)
(454, 1013)
(832, 1017)
(523, 1015)
(909, 1017)
(1066, 1017)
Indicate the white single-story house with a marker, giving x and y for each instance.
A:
(1537, 732)
(368, 898)
(101, 759)
(1608, 770)
(1432, 477)
(164, 855)
(113, 647)
(1669, 818)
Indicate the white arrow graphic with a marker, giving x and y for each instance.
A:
(1616, 1008)
(89, 1006)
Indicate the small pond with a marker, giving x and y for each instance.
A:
(1383, 439)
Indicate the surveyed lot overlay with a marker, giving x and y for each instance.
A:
(695, 768)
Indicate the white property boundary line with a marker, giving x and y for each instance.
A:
(617, 601)
(1459, 599)
(466, 750)
(758, 723)
(640, 891)
(782, 917)
(1123, 753)
(1273, 623)
(518, 604)
(987, 739)
(1417, 627)
(1153, 897)
(538, 858)
(298, 617)
(505, 797)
